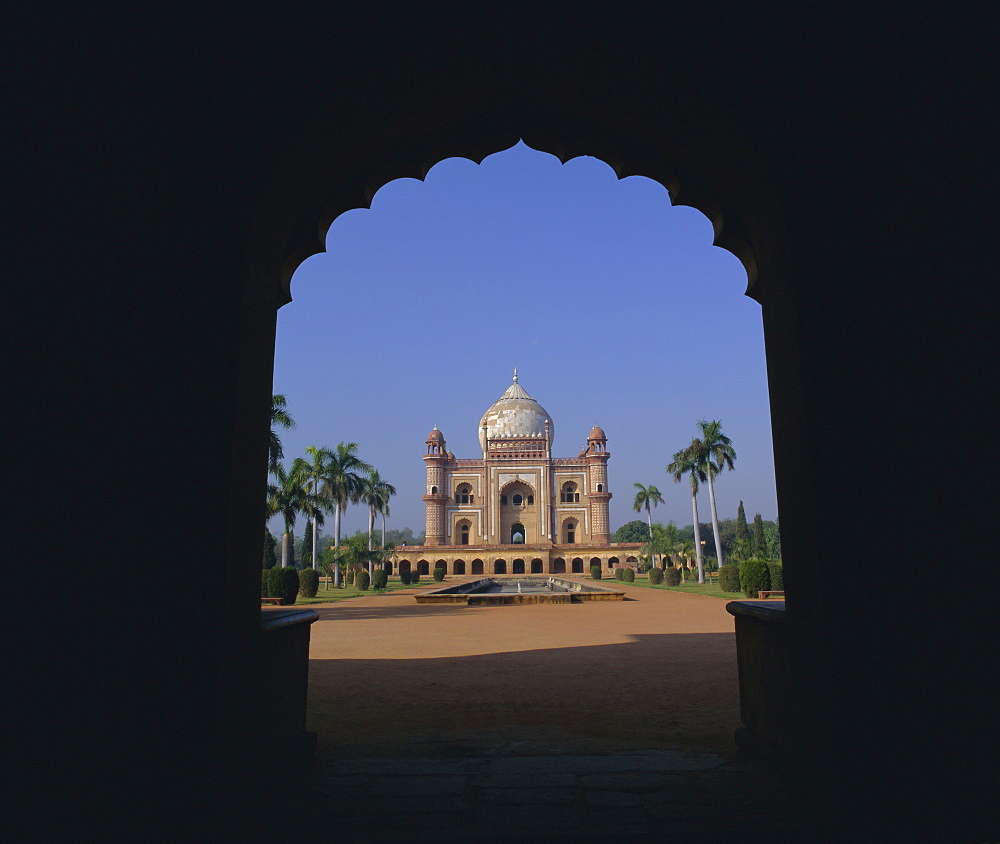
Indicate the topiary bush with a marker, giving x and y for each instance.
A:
(672, 576)
(729, 578)
(595, 572)
(283, 584)
(362, 581)
(628, 575)
(777, 575)
(380, 580)
(754, 577)
(414, 577)
(656, 576)
(439, 574)
(308, 583)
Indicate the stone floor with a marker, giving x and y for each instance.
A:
(665, 796)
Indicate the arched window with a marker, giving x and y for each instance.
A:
(517, 534)
(600, 487)
(464, 540)
(531, 499)
(434, 490)
(503, 500)
(569, 531)
(463, 494)
(516, 500)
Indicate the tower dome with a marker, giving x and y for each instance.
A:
(515, 415)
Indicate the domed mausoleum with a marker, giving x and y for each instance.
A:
(516, 509)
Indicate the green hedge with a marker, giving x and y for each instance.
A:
(414, 577)
(351, 574)
(628, 575)
(362, 581)
(754, 577)
(619, 573)
(595, 572)
(656, 576)
(439, 574)
(777, 575)
(729, 578)
(380, 579)
(283, 584)
(672, 576)
(308, 582)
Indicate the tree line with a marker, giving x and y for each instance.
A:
(325, 481)
(707, 456)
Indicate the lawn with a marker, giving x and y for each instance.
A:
(711, 589)
(326, 595)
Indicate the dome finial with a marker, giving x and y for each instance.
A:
(515, 374)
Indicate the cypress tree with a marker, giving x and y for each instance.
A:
(759, 541)
(305, 558)
(270, 558)
(742, 534)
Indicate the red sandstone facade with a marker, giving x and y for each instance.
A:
(517, 509)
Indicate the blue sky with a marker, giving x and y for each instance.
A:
(614, 306)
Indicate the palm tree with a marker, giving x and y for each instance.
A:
(688, 461)
(661, 543)
(647, 497)
(281, 418)
(315, 471)
(287, 498)
(717, 453)
(376, 495)
(343, 484)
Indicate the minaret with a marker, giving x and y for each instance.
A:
(597, 471)
(437, 496)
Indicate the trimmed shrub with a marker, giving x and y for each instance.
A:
(414, 577)
(656, 576)
(283, 584)
(595, 572)
(404, 577)
(777, 575)
(672, 576)
(628, 575)
(439, 574)
(754, 577)
(729, 578)
(349, 578)
(308, 582)
(619, 573)
(362, 581)
(380, 580)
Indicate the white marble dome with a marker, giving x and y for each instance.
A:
(515, 415)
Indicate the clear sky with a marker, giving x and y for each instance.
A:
(614, 306)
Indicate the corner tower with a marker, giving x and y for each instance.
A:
(436, 496)
(597, 455)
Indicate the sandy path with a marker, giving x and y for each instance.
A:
(389, 677)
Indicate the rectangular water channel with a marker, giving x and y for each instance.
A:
(499, 591)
